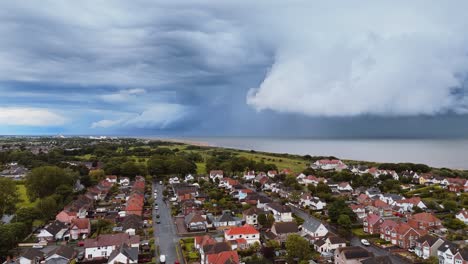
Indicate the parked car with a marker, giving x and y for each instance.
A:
(158, 221)
(411, 250)
(365, 242)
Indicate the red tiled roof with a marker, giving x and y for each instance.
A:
(425, 217)
(246, 229)
(372, 219)
(81, 223)
(226, 257)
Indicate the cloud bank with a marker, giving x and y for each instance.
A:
(207, 66)
(30, 117)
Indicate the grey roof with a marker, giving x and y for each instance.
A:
(32, 253)
(378, 260)
(63, 251)
(226, 217)
(373, 191)
(129, 252)
(336, 240)
(355, 252)
(132, 221)
(320, 242)
(430, 239)
(279, 208)
(311, 224)
(448, 245)
(216, 248)
(55, 227)
(285, 227)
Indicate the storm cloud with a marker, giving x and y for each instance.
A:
(235, 67)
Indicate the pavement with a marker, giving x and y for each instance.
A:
(165, 235)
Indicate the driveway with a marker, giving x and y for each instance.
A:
(165, 235)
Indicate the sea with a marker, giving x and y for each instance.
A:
(448, 153)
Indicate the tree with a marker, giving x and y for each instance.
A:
(338, 208)
(454, 224)
(8, 196)
(344, 221)
(157, 166)
(129, 169)
(48, 207)
(450, 205)
(297, 247)
(43, 181)
(97, 175)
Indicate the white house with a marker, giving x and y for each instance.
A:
(463, 216)
(329, 244)
(314, 229)
(281, 213)
(408, 204)
(104, 245)
(250, 216)
(327, 164)
(249, 175)
(124, 254)
(111, 178)
(189, 178)
(61, 254)
(446, 253)
(30, 256)
(124, 181)
(174, 180)
(313, 203)
(344, 187)
(271, 173)
(247, 232)
(216, 174)
(54, 231)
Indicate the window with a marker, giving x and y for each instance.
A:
(90, 256)
(232, 236)
(240, 236)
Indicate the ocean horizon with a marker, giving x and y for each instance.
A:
(448, 153)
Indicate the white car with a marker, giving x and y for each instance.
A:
(365, 242)
(411, 250)
(162, 259)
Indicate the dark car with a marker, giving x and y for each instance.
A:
(158, 221)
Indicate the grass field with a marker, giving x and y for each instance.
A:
(296, 165)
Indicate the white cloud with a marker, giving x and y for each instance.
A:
(158, 116)
(122, 95)
(30, 117)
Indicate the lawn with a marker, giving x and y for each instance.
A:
(359, 232)
(201, 167)
(296, 165)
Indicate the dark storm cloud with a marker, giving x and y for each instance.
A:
(235, 68)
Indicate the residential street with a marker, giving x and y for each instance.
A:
(165, 235)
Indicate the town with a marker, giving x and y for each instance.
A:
(122, 200)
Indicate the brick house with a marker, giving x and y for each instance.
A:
(371, 224)
(424, 221)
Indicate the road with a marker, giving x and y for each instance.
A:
(165, 235)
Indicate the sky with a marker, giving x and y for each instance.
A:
(294, 68)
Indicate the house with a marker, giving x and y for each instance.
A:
(249, 175)
(373, 192)
(281, 230)
(103, 245)
(272, 173)
(371, 224)
(311, 179)
(216, 174)
(54, 231)
(250, 216)
(124, 181)
(424, 221)
(225, 257)
(462, 216)
(461, 256)
(457, 184)
(405, 236)
(378, 260)
(189, 178)
(359, 210)
(124, 254)
(131, 224)
(213, 248)
(409, 204)
(344, 187)
(60, 255)
(386, 229)
(390, 198)
(281, 213)
(329, 164)
(313, 229)
(111, 178)
(351, 255)
(364, 199)
(427, 245)
(226, 219)
(380, 208)
(195, 222)
(247, 232)
(446, 253)
(80, 227)
(30, 256)
(65, 216)
(329, 244)
(311, 202)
